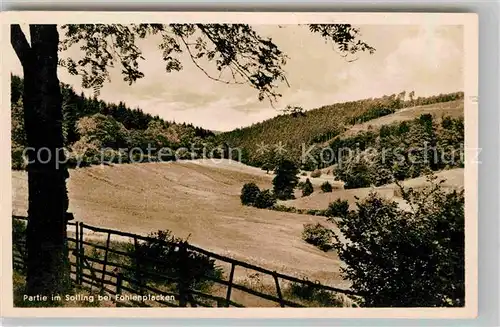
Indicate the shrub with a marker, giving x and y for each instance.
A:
(326, 187)
(307, 189)
(162, 255)
(284, 208)
(314, 212)
(354, 174)
(285, 180)
(406, 258)
(316, 297)
(318, 235)
(265, 199)
(316, 173)
(338, 208)
(249, 193)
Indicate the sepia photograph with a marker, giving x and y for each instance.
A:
(241, 160)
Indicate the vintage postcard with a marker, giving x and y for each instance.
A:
(195, 164)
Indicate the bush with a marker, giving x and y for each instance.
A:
(316, 297)
(249, 194)
(326, 187)
(406, 258)
(354, 174)
(338, 208)
(162, 255)
(318, 235)
(316, 173)
(283, 208)
(265, 199)
(307, 189)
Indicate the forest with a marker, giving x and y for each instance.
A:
(90, 124)
(319, 125)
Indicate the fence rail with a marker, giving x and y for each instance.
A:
(120, 270)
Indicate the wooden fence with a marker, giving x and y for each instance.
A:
(118, 269)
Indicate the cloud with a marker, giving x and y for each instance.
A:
(429, 62)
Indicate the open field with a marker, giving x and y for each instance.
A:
(196, 200)
(200, 200)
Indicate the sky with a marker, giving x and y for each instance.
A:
(427, 59)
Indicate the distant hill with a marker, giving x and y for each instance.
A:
(90, 124)
(321, 125)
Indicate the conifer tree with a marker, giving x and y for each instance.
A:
(285, 180)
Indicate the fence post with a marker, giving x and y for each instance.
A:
(137, 266)
(105, 260)
(75, 253)
(81, 252)
(278, 289)
(183, 275)
(230, 286)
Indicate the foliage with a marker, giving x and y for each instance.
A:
(18, 135)
(318, 235)
(401, 150)
(265, 199)
(307, 189)
(294, 111)
(162, 255)
(316, 297)
(249, 194)
(18, 231)
(285, 180)
(406, 257)
(269, 160)
(338, 208)
(102, 130)
(355, 174)
(326, 187)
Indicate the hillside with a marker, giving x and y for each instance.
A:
(196, 199)
(451, 108)
(319, 125)
(454, 179)
(90, 124)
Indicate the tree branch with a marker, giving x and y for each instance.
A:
(201, 68)
(19, 43)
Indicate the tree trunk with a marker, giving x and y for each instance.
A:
(47, 262)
